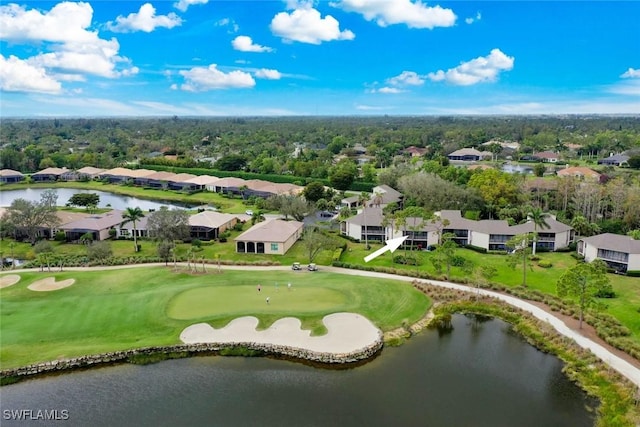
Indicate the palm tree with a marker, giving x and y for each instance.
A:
(363, 199)
(133, 215)
(539, 219)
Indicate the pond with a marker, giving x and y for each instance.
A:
(510, 168)
(479, 374)
(115, 201)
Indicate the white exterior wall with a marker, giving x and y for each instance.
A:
(562, 240)
(634, 262)
(354, 231)
(590, 252)
(479, 239)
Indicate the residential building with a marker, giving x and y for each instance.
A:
(469, 155)
(414, 151)
(615, 160)
(9, 176)
(547, 156)
(580, 172)
(621, 253)
(269, 237)
(486, 234)
(97, 226)
(208, 225)
(48, 174)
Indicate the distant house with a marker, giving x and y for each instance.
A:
(126, 230)
(381, 196)
(203, 182)
(9, 175)
(49, 174)
(209, 225)
(580, 172)
(269, 237)
(546, 156)
(89, 172)
(621, 253)
(414, 151)
(469, 155)
(615, 160)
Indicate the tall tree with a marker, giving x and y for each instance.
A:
(584, 281)
(445, 253)
(520, 251)
(539, 219)
(314, 241)
(363, 200)
(168, 224)
(29, 217)
(133, 215)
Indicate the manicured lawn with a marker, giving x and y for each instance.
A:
(625, 307)
(127, 308)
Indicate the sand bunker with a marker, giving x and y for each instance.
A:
(50, 284)
(8, 280)
(347, 332)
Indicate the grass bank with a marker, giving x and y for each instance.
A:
(618, 403)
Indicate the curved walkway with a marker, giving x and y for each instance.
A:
(617, 363)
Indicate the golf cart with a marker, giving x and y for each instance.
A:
(296, 266)
(312, 267)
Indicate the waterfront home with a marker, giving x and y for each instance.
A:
(546, 157)
(269, 237)
(622, 253)
(49, 174)
(9, 176)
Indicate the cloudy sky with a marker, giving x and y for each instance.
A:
(340, 57)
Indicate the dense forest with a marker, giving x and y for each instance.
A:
(330, 150)
(265, 145)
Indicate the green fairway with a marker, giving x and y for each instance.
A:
(211, 302)
(129, 308)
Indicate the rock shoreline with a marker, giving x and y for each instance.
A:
(280, 351)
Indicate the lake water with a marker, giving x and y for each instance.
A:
(509, 168)
(116, 201)
(480, 374)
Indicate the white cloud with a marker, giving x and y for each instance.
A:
(65, 22)
(631, 74)
(183, 5)
(390, 12)
(265, 73)
(72, 51)
(17, 75)
(406, 78)
(245, 44)
(478, 70)
(387, 89)
(145, 20)
(472, 20)
(199, 79)
(306, 25)
(363, 107)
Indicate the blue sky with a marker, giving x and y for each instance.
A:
(341, 57)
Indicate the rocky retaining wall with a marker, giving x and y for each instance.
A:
(287, 352)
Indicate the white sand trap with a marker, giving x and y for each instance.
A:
(50, 284)
(347, 332)
(8, 280)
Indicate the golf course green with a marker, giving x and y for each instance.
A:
(109, 310)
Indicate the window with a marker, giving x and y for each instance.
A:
(274, 247)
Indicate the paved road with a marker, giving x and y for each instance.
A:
(617, 363)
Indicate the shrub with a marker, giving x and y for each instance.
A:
(543, 263)
(476, 249)
(633, 273)
(534, 258)
(458, 261)
(60, 236)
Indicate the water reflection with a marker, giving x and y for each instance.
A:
(107, 199)
(432, 380)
